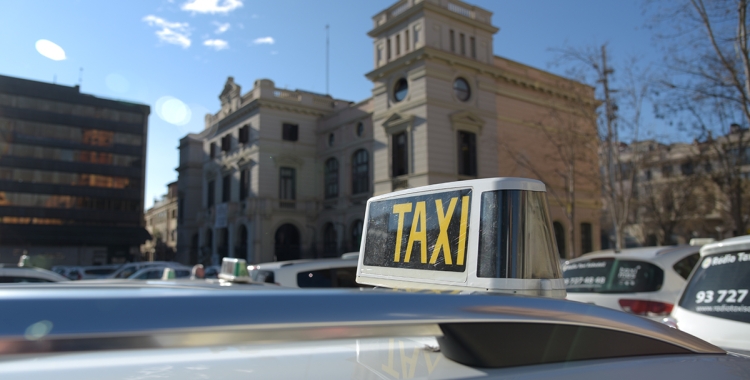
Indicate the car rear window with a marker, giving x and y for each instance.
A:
(612, 276)
(259, 275)
(100, 271)
(719, 287)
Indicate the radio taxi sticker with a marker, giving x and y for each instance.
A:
(714, 300)
(428, 232)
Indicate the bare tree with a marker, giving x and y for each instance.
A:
(619, 124)
(570, 138)
(708, 82)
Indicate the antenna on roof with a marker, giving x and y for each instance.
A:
(327, 50)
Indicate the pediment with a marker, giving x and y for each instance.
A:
(467, 120)
(231, 90)
(288, 160)
(398, 122)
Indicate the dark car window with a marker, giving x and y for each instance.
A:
(13, 279)
(100, 272)
(686, 265)
(719, 287)
(266, 276)
(315, 279)
(346, 277)
(127, 272)
(612, 276)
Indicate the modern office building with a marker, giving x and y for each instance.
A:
(72, 170)
(279, 174)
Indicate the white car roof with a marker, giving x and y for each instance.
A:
(306, 263)
(665, 254)
(738, 243)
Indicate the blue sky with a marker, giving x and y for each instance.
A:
(156, 51)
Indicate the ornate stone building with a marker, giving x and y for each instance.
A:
(280, 174)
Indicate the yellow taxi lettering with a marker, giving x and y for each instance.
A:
(400, 209)
(419, 222)
(463, 230)
(430, 364)
(442, 241)
(389, 368)
(411, 362)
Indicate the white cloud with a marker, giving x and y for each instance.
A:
(216, 44)
(221, 28)
(176, 33)
(264, 40)
(211, 6)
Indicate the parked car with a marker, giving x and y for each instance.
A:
(156, 272)
(715, 305)
(70, 272)
(226, 332)
(12, 273)
(99, 271)
(127, 270)
(643, 281)
(320, 273)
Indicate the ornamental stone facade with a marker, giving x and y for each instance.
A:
(279, 174)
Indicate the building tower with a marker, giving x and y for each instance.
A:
(434, 108)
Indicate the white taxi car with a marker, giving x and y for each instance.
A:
(481, 297)
(643, 281)
(715, 304)
(318, 273)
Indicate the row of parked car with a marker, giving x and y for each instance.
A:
(698, 289)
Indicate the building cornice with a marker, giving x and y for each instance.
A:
(497, 73)
(426, 5)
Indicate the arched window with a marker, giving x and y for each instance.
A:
(332, 178)
(287, 243)
(360, 172)
(559, 238)
(356, 234)
(329, 241)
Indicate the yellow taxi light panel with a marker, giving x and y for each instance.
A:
(490, 234)
(233, 269)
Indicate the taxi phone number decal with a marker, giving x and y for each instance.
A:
(428, 232)
(721, 296)
(590, 280)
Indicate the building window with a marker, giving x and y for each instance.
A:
(648, 175)
(473, 47)
(332, 178)
(666, 171)
(416, 36)
(463, 44)
(400, 155)
(406, 40)
(687, 168)
(226, 143)
(453, 41)
(357, 227)
(329, 241)
(290, 132)
(211, 193)
(467, 153)
(388, 49)
(331, 139)
(360, 172)
(287, 187)
(360, 129)
(244, 184)
(226, 188)
(586, 238)
(559, 238)
(461, 89)
(212, 151)
(244, 136)
(400, 89)
(707, 167)
(398, 45)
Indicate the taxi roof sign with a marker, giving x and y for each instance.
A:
(234, 270)
(490, 234)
